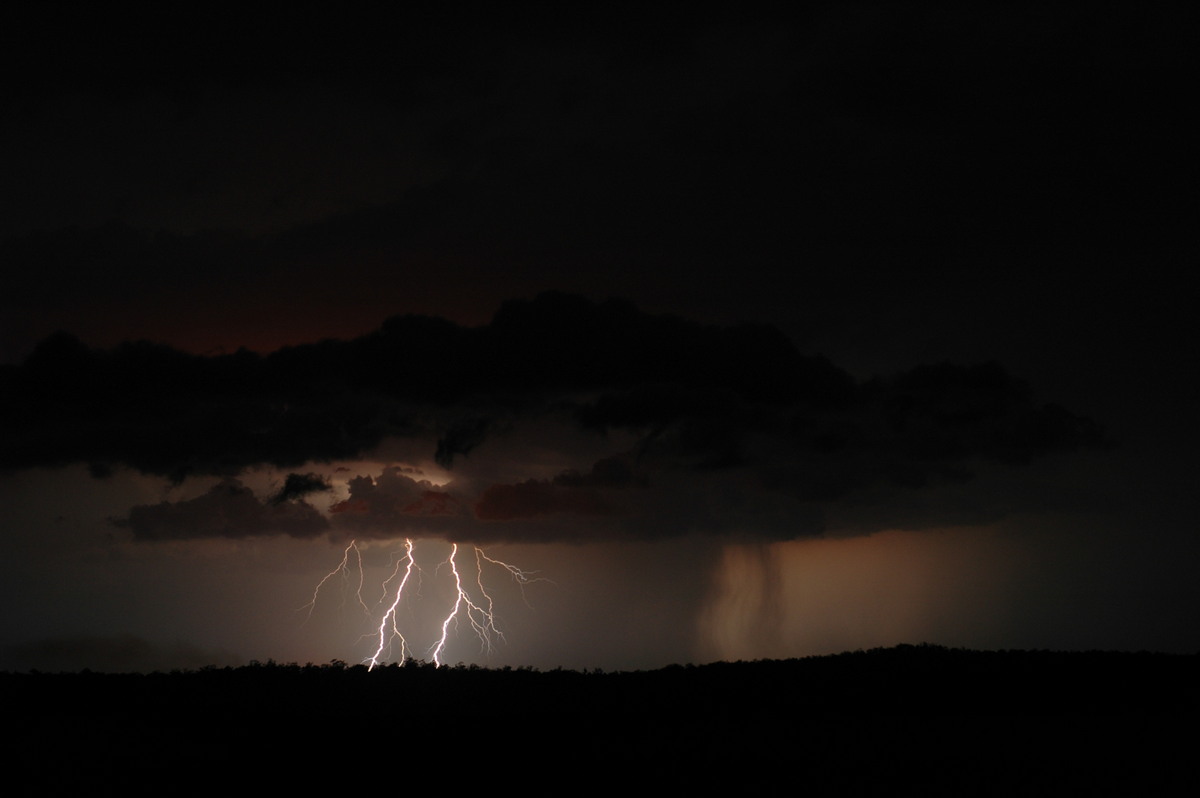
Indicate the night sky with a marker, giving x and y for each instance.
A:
(747, 336)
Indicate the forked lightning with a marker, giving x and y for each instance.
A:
(480, 614)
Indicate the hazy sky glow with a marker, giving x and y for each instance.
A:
(752, 337)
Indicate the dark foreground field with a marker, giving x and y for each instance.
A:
(909, 720)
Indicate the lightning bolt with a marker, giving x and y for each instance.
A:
(482, 621)
(343, 569)
(390, 615)
(522, 578)
(479, 613)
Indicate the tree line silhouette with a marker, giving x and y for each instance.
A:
(947, 719)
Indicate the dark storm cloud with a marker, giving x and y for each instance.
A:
(814, 153)
(696, 392)
(166, 412)
(730, 425)
(297, 486)
(393, 499)
(228, 510)
(535, 498)
(461, 438)
(394, 504)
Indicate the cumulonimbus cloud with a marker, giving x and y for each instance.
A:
(738, 412)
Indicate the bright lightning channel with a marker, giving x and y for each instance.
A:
(519, 576)
(390, 615)
(482, 621)
(481, 616)
(343, 569)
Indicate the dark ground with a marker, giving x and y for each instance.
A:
(911, 719)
